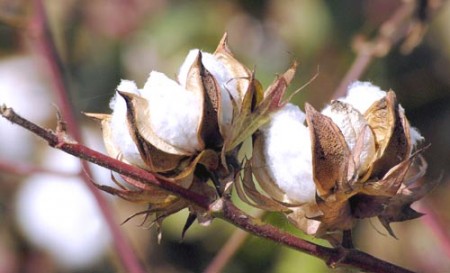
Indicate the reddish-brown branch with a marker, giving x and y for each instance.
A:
(332, 256)
(222, 208)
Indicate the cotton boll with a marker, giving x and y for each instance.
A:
(174, 112)
(288, 153)
(119, 130)
(59, 215)
(361, 95)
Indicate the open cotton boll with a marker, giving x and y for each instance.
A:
(223, 77)
(174, 112)
(119, 130)
(288, 153)
(60, 216)
(361, 95)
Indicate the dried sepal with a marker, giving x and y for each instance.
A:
(391, 133)
(391, 182)
(105, 120)
(260, 200)
(240, 73)
(330, 153)
(245, 123)
(336, 215)
(201, 81)
(256, 111)
(356, 132)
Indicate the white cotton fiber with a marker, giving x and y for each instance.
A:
(119, 130)
(361, 95)
(415, 135)
(174, 112)
(288, 153)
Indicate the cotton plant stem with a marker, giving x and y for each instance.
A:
(221, 208)
(332, 256)
(229, 249)
(45, 48)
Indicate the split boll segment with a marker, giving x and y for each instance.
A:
(355, 159)
(189, 129)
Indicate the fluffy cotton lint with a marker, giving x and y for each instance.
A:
(361, 95)
(174, 112)
(288, 153)
(223, 77)
(119, 130)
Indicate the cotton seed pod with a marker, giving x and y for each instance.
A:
(170, 127)
(324, 173)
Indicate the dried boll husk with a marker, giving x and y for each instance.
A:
(362, 166)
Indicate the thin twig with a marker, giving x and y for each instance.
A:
(222, 208)
(45, 46)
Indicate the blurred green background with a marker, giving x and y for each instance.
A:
(103, 41)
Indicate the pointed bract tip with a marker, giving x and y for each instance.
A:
(223, 45)
(97, 116)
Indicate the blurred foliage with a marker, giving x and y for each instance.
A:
(103, 41)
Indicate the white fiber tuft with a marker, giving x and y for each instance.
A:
(361, 95)
(288, 153)
(174, 112)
